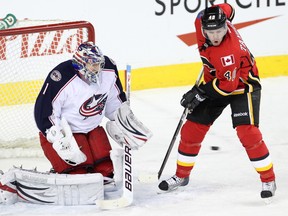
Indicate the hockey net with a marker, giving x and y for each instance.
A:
(27, 55)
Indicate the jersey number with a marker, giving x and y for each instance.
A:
(227, 75)
(230, 76)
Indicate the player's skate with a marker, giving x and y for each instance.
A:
(173, 183)
(268, 191)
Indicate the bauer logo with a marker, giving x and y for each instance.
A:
(33, 178)
(128, 168)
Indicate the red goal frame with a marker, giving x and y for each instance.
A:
(50, 27)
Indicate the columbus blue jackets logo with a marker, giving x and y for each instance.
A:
(93, 106)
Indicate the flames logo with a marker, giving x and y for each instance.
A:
(93, 106)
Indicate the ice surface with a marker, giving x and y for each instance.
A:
(223, 183)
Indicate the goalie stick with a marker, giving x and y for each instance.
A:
(127, 183)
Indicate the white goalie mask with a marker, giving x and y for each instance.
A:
(89, 61)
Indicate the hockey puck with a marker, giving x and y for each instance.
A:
(214, 148)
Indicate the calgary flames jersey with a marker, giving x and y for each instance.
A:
(229, 68)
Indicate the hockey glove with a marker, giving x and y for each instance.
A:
(193, 98)
(127, 128)
(65, 144)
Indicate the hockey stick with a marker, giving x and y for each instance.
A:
(127, 183)
(127, 188)
(183, 116)
(211, 2)
(128, 82)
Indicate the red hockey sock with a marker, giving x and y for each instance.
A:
(192, 134)
(257, 151)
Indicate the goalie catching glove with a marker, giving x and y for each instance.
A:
(65, 144)
(127, 128)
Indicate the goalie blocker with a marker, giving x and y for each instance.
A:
(127, 129)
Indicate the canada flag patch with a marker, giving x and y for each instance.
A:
(228, 60)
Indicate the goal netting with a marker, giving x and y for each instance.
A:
(27, 54)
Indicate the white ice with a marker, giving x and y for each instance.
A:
(222, 183)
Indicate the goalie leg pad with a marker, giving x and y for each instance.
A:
(58, 189)
(136, 134)
(8, 193)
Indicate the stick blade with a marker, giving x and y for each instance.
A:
(114, 203)
(147, 178)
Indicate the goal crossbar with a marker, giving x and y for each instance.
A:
(51, 27)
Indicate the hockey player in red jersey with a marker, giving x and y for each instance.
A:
(230, 78)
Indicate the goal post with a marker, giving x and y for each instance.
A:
(27, 55)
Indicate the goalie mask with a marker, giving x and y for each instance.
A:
(89, 61)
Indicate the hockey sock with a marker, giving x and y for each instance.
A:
(257, 151)
(192, 135)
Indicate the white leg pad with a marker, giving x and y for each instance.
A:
(8, 192)
(58, 189)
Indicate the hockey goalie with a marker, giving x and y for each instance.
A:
(75, 97)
